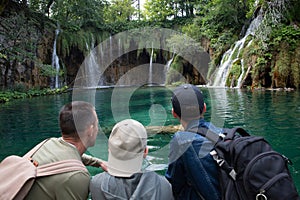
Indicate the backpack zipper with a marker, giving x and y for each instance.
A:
(259, 156)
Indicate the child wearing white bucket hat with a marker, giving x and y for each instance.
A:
(124, 179)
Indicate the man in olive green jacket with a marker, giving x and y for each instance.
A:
(79, 127)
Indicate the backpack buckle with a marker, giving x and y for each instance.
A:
(261, 196)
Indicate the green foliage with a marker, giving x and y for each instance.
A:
(249, 51)
(260, 63)
(184, 45)
(295, 68)
(175, 71)
(251, 7)
(20, 93)
(49, 70)
(158, 10)
(284, 42)
(119, 11)
(284, 33)
(282, 68)
(3, 56)
(234, 74)
(78, 13)
(82, 39)
(259, 67)
(177, 64)
(222, 43)
(192, 30)
(222, 15)
(219, 21)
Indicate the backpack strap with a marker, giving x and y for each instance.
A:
(54, 167)
(205, 132)
(30, 153)
(60, 167)
(230, 132)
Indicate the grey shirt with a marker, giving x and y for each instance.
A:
(146, 185)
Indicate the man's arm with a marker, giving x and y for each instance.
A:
(93, 161)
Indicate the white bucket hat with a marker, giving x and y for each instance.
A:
(126, 145)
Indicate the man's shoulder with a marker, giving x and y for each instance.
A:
(187, 136)
(56, 150)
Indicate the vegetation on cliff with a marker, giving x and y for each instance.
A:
(21, 93)
(28, 31)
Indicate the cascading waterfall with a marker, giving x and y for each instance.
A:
(101, 54)
(150, 68)
(91, 67)
(110, 49)
(121, 70)
(169, 63)
(55, 63)
(232, 55)
(220, 77)
(167, 67)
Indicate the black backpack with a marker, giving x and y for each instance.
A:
(249, 167)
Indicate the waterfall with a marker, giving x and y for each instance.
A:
(55, 63)
(232, 55)
(91, 67)
(167, 68)
(150, 68)
(220, 77)
(121, 71)
(169, 63)
(102, 77)
(110, 49)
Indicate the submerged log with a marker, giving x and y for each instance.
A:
(151, 129)
(163, 129)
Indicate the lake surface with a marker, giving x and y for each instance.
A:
(272, 114)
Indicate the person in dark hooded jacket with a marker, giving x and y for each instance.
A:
(192, 171)
(124, 179)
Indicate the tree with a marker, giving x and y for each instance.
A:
(158, 10)
(120, 11)
(78, 13)
(41, 6)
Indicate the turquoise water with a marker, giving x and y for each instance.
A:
(272, 114)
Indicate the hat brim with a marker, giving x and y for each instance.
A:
(124, 168)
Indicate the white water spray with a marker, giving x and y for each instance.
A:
(55, 61)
